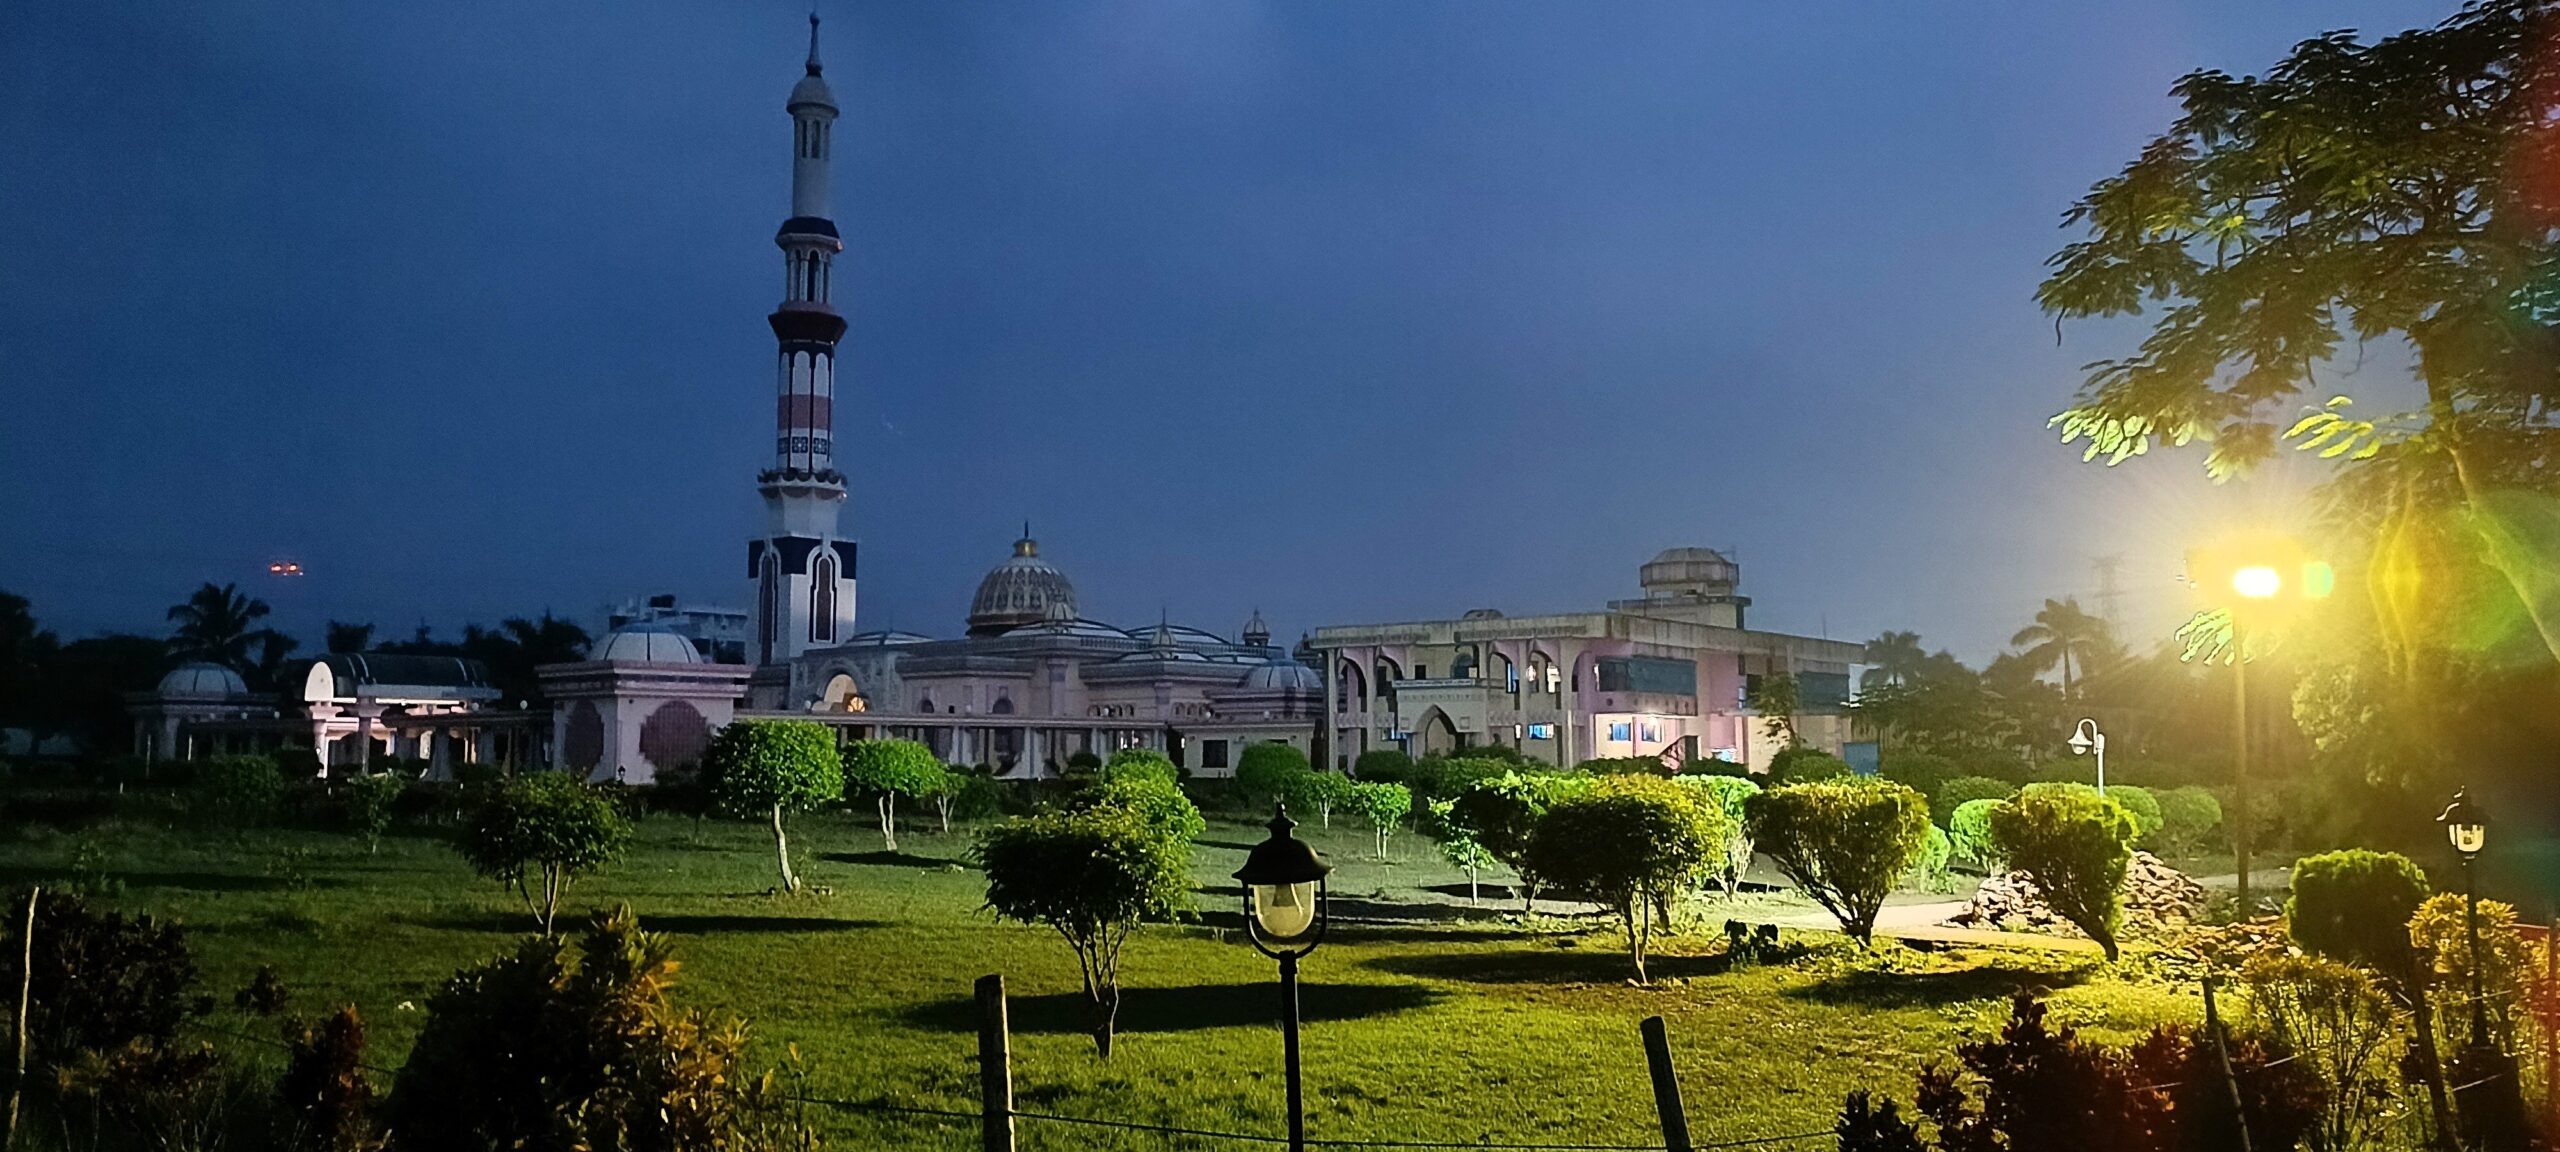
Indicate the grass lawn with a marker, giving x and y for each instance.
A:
(1429, 1018)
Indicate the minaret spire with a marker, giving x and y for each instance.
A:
(815, 68)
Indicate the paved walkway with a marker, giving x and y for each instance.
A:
(1926, 922)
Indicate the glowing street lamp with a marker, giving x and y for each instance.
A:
(1284, 890)
(2257, 582)
(2259, 579)
(2468, 829)
(2086, 739)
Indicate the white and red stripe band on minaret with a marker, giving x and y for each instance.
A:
(802, 567)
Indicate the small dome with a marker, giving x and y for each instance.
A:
(648, 644)
(203, 680)
(812, 88)
(1284, 675)
(1256, 633)
(1025, 589)
(1690, 571)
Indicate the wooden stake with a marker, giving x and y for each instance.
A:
(26, 988)
(1666, 1086)
(995, 1065)
(2222, 1057)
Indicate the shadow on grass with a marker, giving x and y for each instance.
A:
(1546, 966)
(894, 860)
(1188, 1009)
(1870, 989)
(1229, 845)
(16, 876)
(519, 922)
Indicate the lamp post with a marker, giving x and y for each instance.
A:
(2468, 828)
(1284, 890)
(2254, 584)
(2086, 739)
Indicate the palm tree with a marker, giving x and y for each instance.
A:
(2063, 635)
(216, 624)
(345, 637)
(1894, 658)
(549, 640)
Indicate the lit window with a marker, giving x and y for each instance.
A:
(1542, 731)
(1618, 731)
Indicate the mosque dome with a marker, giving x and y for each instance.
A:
(1256, 633)
(1692, 572)
(1283, 675)
(203, 680)
(1025, 589)
(647, 644)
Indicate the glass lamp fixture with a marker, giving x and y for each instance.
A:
(2465, 825)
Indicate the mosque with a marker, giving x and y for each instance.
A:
(1032, 682)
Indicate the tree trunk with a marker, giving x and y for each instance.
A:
(1638, 912)
(2430, 1064)
(1106, 1012)
(782, 852)
(1471, 883)
(889, 821)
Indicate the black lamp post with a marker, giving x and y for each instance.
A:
(1284, 893)
(2468, 828)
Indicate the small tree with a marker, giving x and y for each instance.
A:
(1929, 868)
(1777, 699)
(1383, 806)
(888, 769)
(240, 789)
(1457, 844)
(1732, 795)
(2355, 906)
(2074, 845)
(770, 767)
(1266, 772)
(1155, 801)
(1844, 842)
(1627, 850)
(2332, 1015)
(541, 831)
(1501, 813)
(1321, 792)
(370, 803)
(1092, 876)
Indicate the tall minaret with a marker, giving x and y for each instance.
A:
(802, 568)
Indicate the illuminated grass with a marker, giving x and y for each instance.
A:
(1447, 1025)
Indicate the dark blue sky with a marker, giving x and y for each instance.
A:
(1351, 311)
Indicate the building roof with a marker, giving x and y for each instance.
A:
(1283, 675)
(647, 644)
(1025, 589)
(203, 681)
(341, 675)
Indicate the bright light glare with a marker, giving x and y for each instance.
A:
(2257, 582)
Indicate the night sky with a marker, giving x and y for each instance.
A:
(1349, 311)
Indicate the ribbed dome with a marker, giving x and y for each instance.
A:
(1690, 571)
(208, 681)
(1025, 589)
(1284, 674)
(648, 644)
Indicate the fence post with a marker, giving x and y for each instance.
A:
(26, 986)
(2222, 1058)
(995, 1065)
(1666, 1086)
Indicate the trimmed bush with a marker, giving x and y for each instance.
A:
(1844, 842)
(1503, 812)
(2355, 906)
(240, 789)
(1266, 772)
(1624, 766)
(1141, 762)
(1385, 765)
(2074, 844)
(1156, 802)
(1439, 777)
(2188, 818)
(1093, 876)
(1629, 849)
(1929, 869)
(370, 803)
(1969, 834)
(1804, 763)
(1922, 772)
(1963, 790)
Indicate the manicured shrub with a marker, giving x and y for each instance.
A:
(1628, 849)
(2439, 933)
(240, 789)
(1929, 869)
(887, 769)
(1385, 765)
(1156, 802)
(1501, 813)
(2074, 845)
(1843, 842)
(541, 831)
(1969, 834)
(1732, 795)
(1624, 766)
(1265, 771)
(1439, 777)
(1922, 772)
(2188, 818)
(772, 767)
(1962, 790)
(1080, 762)
(2355, 906)
(1092, 876)
(1804, 764)
(1320, 793)
(1710, 766)
(565, 1046)
(1384, 806)
(1142, 762)
(370, 803)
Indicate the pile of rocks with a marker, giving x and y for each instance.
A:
(2157, 898)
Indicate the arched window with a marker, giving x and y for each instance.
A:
(768, 610)
(822, 600)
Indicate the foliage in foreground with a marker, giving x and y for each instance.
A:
(579, 1047)
(1091, 876)
(2042, 1087)
(1844, 842)
(1630, 850)
(540, 832)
